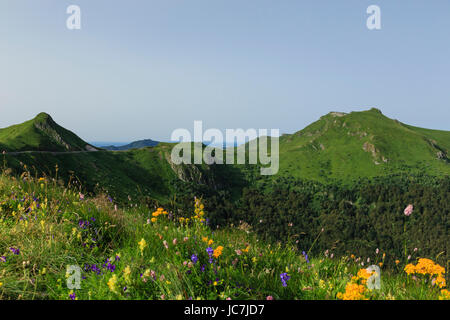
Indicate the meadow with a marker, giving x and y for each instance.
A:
(142, 253)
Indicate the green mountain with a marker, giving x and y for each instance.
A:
(362, 144)
(42, 147)
(338, 146)
(41, 134)
(134, 145)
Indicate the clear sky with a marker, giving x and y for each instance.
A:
(140, 69)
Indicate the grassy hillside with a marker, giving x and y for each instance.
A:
(135, 253)
(338, 146)
(138, 173)
(40, 134)
(362, 144)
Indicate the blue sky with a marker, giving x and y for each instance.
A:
(140, 69)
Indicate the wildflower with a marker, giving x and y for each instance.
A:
(142, 245)
(269, 298)
(218, 252)
(397, 261)
(445, 295)
(408, 210)
(185, 239)
(194, 258)
(238, 252)
(356, 288)
(166, 245)
(377, 251)
(305, 256)
(3, 259)
(175, 241)
(126, 273)
(284, 278)
(15, 251)
(72, 295)
(210, 252)
(112, 283)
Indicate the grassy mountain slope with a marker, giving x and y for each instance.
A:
(133, 254)
(362, 144)
(137, 172)
(40, 134)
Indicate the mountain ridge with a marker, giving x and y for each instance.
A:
(41, 133)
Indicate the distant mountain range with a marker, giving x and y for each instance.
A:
(339, 146)
(133, 145)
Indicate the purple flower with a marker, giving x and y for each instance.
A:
(194, 258)
(210, 253)
(3, 259)
(306, 256)
(284, 278)
(15, 251)
(72, 296)
(111, 267)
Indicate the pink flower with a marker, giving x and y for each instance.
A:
(269, 298)
(185, 239)
(175, 241)
(165, 244)
(409, 210)
(238, 252)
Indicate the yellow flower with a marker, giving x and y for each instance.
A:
(218, 252)
(112, 283)
(153, 220)
(1, 284)
(126, 273)
(445, 295)
(356, 289)
(142, 244)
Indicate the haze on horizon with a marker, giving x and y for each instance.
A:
(141, 70)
